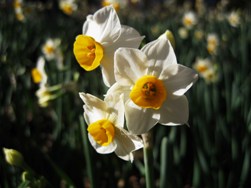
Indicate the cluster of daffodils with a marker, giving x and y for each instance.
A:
(146, 86)
(212, 43)
(189, 21)
(207, 70)
(45, 92)
(18, 7)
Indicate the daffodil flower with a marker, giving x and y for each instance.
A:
(207, 70)
(189, 20)
(153, 85)
(234, 18)
(51, 48)
(38, 74)
(212, 43)
(45, 94)
(68, 6)
(105, 121)
(102, 35)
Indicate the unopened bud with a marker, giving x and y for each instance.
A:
(13, 157)
(169, 35)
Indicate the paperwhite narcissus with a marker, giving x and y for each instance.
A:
(189, 20)
(68, 6)
(234, 18)
(153, 85)
(207, 70)
(38, 74)
(105, 120)
(50, 48)
(212, 43)
(102, 35)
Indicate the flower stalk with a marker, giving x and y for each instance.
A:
(87, 152)
(148, 159)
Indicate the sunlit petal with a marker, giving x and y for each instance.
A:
(175, 111)
(140, 120)
(127, 143)
(179, 83)
(129, 65)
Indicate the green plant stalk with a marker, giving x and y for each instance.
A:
(87, 154)
(163, 163)
(148, 159)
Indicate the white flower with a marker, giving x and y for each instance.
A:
(202, 65)
(105, 121)
(46, 94)
(117, 4)
(189, 19)
(102, 35)
(68, 6)
(51, 48)
(18, 7)
(234, 18)
(207, 70)
(211, 75)
(38, 74)
(153, 85)
(212, 43)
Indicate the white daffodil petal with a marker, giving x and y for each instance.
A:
(107, 68)
(40, 67)
(116, 113)
(126, 70)
(94, 108)
(179, 83)
(104, 25)
(140, 120)
(161, 53)
(169, 72)
(118, 90)
(102, 149)
(126, 144)
(129, 37)
(174, 111)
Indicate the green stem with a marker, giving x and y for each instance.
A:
(164, 163)
(148, 159)
(87, 153)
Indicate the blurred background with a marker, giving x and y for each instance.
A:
(44, 121)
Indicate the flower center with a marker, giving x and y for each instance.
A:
(102, 132)
(49, 49)
(202, 68)
(67, 8)
(36, 75)
(88, 52)
(188, 22)
(148, 92)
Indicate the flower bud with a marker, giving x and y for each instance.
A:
(13, 157)
(169, 35)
